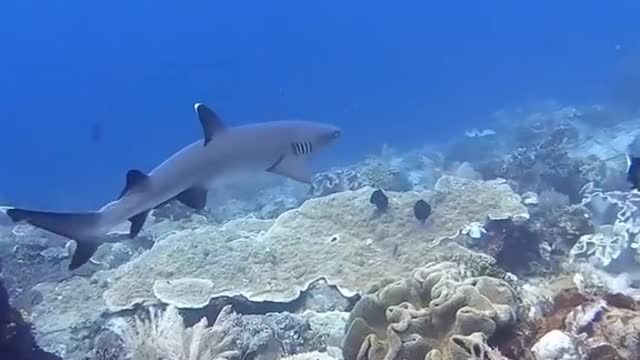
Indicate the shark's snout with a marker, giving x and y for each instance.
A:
(329, 136)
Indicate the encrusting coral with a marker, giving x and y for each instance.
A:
(267, 260)
(615, 216)
(328, 183)
(184, 293)
(591, 326)
(439, 312)
(373, 172)
(603, 246)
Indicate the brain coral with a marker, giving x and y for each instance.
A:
(339, 237)
(439, 312)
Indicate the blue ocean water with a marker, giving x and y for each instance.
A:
(398, 73)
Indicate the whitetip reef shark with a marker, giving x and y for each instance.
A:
(279, 147)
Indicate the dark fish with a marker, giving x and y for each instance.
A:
(633, 171)
(96, 133)
(422, 210)
(380, 200)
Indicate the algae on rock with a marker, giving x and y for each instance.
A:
(68, 314)
(338, 237)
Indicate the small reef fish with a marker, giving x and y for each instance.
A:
(421, 210)
(380, 200)
(633, 171)
(279, 147)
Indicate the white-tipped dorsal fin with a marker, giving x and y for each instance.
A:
(211, 123)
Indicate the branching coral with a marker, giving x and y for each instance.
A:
(438, 312)
(373, 172)
(332, 182)
(542, 165)
(384, 173)
(163, 336)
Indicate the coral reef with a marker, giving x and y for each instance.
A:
(543, 164)
(382, 172)
(163, 333)
(30, 257)
(266, 260)
(16, 340)
(474, 149)
(384, 175)
(439, 312)
(67, 313)
(514, 246)
(558, 223)
(328, 183)
(163, 336)
(589, 326)
(525, 245)
(555, 345)
(605, 245)
(616, 217)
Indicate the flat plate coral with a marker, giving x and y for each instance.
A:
(338, 237)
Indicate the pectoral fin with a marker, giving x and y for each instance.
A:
(84, 251)
(195, 198)
(137, 222)
(293, 167)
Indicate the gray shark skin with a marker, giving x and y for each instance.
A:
(280, 147)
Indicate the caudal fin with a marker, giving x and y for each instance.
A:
(81, 227)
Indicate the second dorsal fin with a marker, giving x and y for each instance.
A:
(136, 179)
(211, 123)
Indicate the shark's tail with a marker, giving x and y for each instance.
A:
(82, 227)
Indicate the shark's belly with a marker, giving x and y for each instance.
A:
(194, 167)
(232, 173)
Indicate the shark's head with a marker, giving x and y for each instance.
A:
(308, 137)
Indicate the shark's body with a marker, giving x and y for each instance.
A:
(279, 147)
